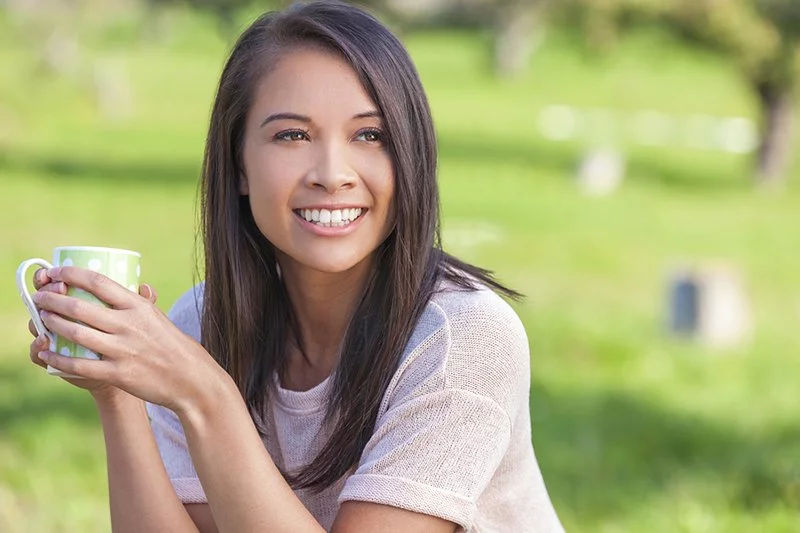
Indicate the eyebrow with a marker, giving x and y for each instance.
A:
(285, 116)
(369, 114)
(307, 120)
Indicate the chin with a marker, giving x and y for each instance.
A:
(330, 258)
(333, 267)
(330, 264)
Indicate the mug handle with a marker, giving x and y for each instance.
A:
(26, 296)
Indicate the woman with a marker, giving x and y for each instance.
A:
(336, 370)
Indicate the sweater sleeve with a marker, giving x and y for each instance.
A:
(168, 431)
(446, 430)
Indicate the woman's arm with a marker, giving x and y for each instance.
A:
(138, 494)
(141, 496)
(201, 514)
(245, 490)
(145, 355)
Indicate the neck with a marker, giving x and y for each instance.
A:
(323, 304)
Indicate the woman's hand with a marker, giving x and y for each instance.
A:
(98, 389)
(143, 353)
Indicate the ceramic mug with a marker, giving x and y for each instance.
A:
(122, 266)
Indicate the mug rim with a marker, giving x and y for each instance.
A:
(96, 249)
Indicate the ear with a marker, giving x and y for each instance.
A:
(244, 186)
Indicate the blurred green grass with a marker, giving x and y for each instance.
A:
(634, 432)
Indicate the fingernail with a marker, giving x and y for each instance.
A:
(44, 314)
(44, 356)
(36, 297)
(52, 273)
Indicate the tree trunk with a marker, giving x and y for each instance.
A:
(518, 32)
(777, 134)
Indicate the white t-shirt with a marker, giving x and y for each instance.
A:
(453, 434)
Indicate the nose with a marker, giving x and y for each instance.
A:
(330, 170)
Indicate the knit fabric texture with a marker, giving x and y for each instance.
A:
(453, 434)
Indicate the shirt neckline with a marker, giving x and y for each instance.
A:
(312, 399)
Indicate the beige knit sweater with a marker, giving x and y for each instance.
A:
(453, 435)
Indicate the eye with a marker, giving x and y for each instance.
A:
(371, 135)
(292, 135)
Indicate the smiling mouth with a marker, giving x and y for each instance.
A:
(331, 218)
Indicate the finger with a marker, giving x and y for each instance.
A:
(99, 285)
(79, 366)
(39, 344)
(90, 313)
(148, 292)
(58, 287)
(93, 339)
(40, 278)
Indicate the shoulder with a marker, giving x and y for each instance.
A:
(185, 313)
(463, 307)
(457, 311)
(488, 347)
(470, 340)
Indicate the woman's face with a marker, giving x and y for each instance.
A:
(316, 169)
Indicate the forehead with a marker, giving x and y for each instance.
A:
(312, 81)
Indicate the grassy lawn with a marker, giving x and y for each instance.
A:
(635, 432)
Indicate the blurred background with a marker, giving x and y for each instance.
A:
(629, 165)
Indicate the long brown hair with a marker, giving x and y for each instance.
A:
(246, 309)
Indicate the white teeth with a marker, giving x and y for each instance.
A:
(330, 218)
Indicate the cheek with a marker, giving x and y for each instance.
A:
(378, 174)
(383, 191)
(269, 178)
(388, 193)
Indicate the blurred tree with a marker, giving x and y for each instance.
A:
(518, 29)
(224, 11)
(227, 12)
(761, 36)
(517, 25)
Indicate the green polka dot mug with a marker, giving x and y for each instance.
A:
(121, 266)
